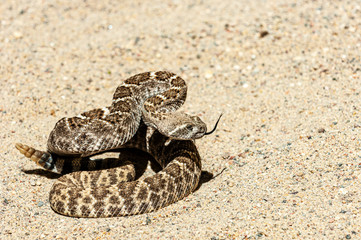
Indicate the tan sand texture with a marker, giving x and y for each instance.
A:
(285, 75)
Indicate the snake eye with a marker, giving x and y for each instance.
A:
(189, 127)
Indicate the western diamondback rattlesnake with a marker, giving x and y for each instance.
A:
(142, 115)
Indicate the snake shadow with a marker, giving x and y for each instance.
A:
(205, 177)
(41, 172)
(139, 158)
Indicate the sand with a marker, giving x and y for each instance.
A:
(286, 157)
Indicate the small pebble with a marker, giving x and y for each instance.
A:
(230, 184)
(262, 34)
(17, 35)
(321, 130)
(208, 75)
(148, 220)
(343, 191)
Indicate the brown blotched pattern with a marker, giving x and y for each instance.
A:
(141, 116)
(119, 121)
(98, 194)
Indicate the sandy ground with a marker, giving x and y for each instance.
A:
(286, 75)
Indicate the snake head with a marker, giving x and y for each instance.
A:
(182, 126)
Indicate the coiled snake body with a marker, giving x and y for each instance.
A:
(142, 115)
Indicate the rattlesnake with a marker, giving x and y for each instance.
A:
(142, 115)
